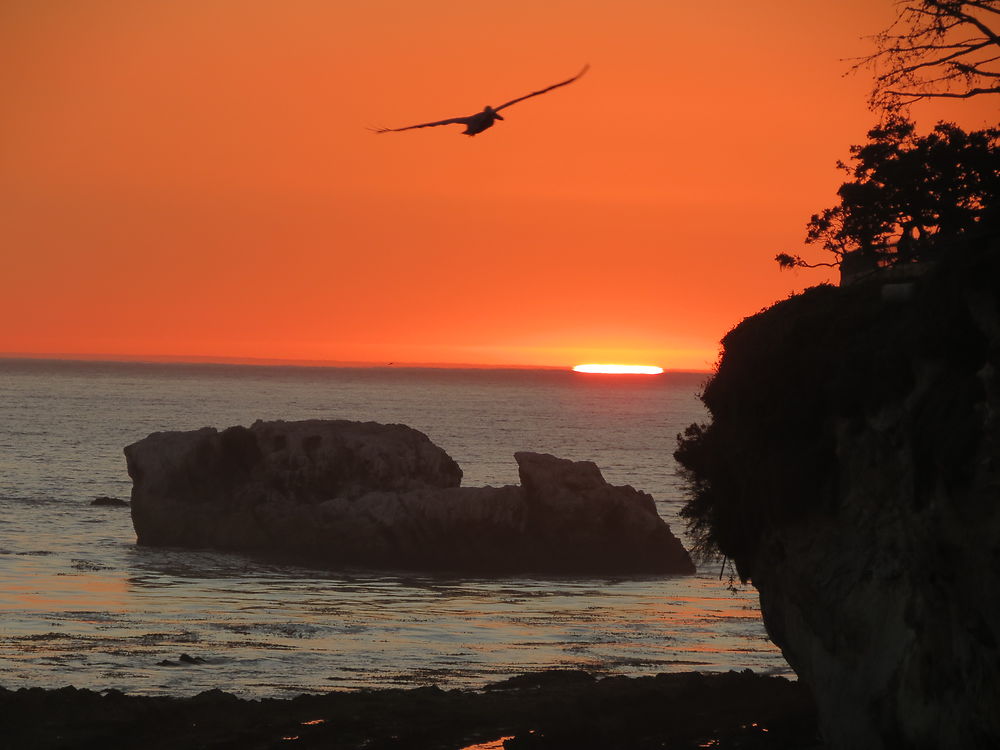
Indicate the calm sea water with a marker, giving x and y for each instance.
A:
(81, 604)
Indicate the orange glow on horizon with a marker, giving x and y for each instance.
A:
(620, 369)
(230, 203)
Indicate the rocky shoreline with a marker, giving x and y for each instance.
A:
(548, 710)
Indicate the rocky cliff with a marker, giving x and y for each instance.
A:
(350, 493)
(851, 471)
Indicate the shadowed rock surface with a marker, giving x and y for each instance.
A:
(109, 502)
(543, 711)
(852, 471)
(351, 493)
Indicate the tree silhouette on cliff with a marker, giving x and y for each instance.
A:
(908, 193)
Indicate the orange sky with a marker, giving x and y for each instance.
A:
(195, 177)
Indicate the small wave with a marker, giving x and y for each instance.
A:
(47, 637)
(288, 630)
(88, 565)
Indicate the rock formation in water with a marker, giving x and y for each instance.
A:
(351, 493)
(852, 472)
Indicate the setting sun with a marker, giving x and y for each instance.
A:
(620, 369)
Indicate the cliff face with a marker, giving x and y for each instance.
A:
(351, 493)
(852, 472)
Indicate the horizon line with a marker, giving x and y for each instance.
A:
(160, 359)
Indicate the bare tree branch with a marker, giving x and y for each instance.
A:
(938, 61)
(967, 44)
(987, 6)
(935, 49)
(987, 31)
(947, 94)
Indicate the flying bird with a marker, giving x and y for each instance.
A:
(480, 121)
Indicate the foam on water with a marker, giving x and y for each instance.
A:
(82, 604)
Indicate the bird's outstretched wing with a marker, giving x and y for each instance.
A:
(453, 120)
(547, 89)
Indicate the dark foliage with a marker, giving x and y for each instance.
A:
(909, 195)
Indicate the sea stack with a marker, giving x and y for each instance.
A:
(338, 493)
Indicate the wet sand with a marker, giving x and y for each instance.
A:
(549, 710)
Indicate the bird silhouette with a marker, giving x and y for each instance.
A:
(480, 121)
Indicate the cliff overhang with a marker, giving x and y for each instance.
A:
(851, 471)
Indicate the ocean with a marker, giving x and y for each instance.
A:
(81, 604)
